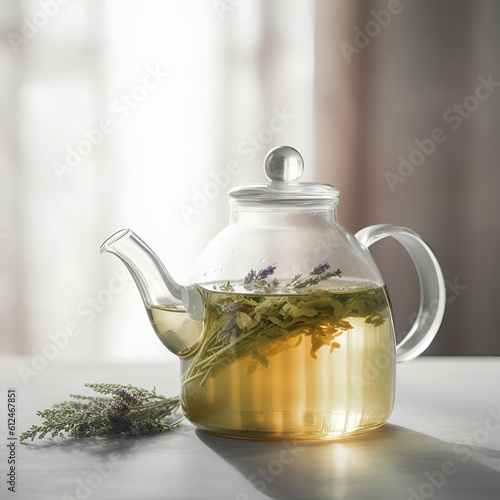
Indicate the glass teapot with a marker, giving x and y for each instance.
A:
(285, 330)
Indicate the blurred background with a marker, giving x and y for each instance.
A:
(127, 113)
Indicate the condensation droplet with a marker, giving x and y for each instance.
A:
(262, 260)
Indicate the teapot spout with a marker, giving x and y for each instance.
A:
(161, 294)
(155, 284)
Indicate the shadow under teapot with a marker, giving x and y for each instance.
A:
(391, 463)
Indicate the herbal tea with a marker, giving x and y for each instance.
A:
(317, 364)
(267, 354)
(174, 328)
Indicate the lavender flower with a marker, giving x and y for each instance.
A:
(318, 274)
(230, 308)
(121, 407)
(121, 421)
(129, 409)
(250, 277)
(320, 269)
(96, 405)
(127, 397)
(313, 279)
(258, 281)
(264, 273)
(229, 331)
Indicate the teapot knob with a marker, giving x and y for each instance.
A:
(283, 164)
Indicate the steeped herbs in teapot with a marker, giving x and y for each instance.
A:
(285, 330)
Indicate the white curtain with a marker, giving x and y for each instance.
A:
(187, 93)
(127, 113)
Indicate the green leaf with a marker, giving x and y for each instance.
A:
(260, 358)
(334, 345)
(252, 368)
(298, 311)
(247, 306)
(339, 308)
(243, 320)
(324, 303)
(275, 320)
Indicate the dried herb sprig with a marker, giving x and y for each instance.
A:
(259, 326)
(128, 409)
(318, 274)
(260, 281)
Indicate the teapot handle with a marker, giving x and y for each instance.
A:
(432, 287)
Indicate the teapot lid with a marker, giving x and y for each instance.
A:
(283, 167)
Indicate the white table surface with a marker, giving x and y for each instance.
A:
(440, 404)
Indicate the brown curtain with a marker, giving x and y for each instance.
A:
(419, 71)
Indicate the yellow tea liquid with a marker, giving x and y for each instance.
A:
(317, 365)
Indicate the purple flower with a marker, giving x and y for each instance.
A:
(249, 277)
(121, 407)
(275, 282)
(80, 406)
(259, 280)
(267, 271)
(126, 396)
(230, 309)
(320, 269)
(98, 404)
(121, 421)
